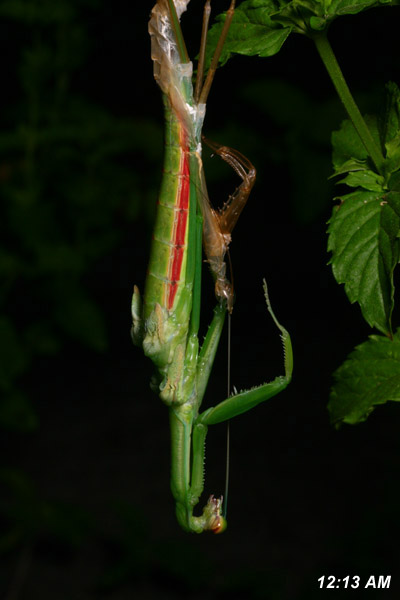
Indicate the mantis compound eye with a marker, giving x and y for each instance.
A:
(221, 525)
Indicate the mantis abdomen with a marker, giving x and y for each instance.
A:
(166, 278)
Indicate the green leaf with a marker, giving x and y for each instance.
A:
(336, 8)
(366, 179)
(391, 128)
(364, 229)
(348, 150)
(369, 376)
(353, 164)
(252, 32)
(363, 239)
(318, 14)
(260, 27)
(349, 153)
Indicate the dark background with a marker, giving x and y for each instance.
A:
(86, 511)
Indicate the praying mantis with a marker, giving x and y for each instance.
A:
(166, 321)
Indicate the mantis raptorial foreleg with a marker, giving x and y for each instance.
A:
(243, 401)
(227, 409)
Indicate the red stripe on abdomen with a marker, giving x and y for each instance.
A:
(180, 226)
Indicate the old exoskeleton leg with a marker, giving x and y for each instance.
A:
(218, 224)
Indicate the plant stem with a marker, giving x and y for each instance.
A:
(332, 66)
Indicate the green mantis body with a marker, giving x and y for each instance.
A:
(166, 322)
